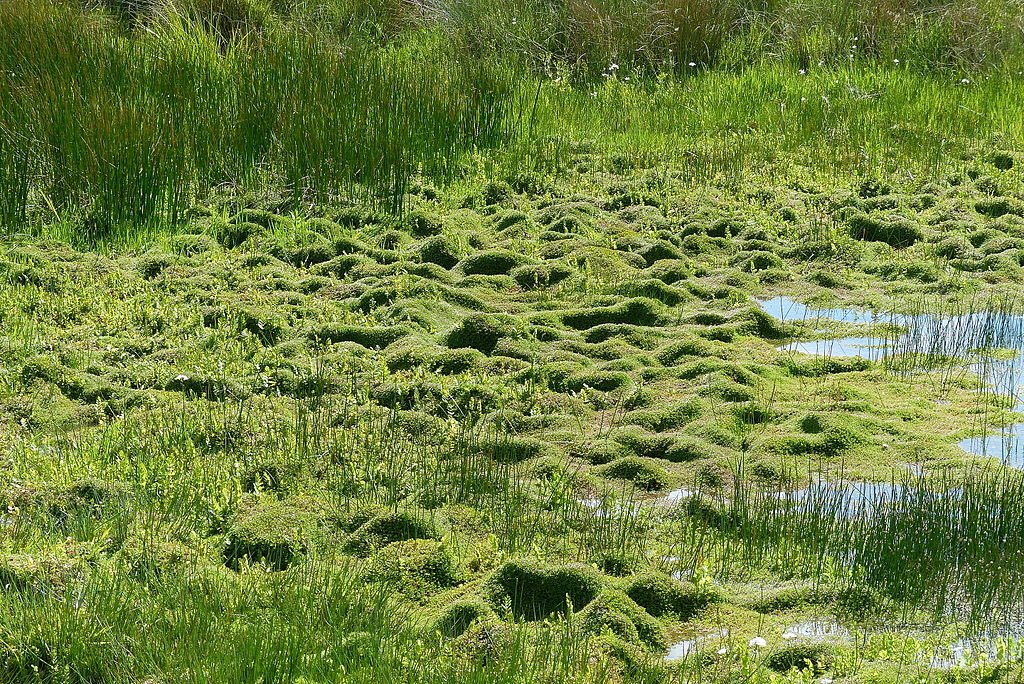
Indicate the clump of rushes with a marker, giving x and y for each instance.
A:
(292, 102)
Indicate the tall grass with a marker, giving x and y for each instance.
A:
(587, 36)
(107, 121)
(850, 119)
(947, 545)
(125, 128)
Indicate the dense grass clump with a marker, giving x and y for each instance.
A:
(139, 124)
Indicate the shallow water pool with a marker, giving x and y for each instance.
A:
(952, 336)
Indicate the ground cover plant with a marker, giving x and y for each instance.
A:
(632, 341)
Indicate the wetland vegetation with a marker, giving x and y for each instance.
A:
(511, 341)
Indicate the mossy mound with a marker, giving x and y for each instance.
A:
(540, 276)
(995, 207)
(635, 469)
(416, 567)
(369, 336)
(790, 598)
(149, 265)
(485, 641)
(666, 416)
(895, 231)
(91, 497)
(662, 595)
(190, 245)
(342, 266)
(673, 353)
(21, 572)
(816, 657)
(492, 262)
(820, 367)
(642, 443)
(515, 449)
(455, 618)
(753, 321)
(267, 475)
(823, 434)
(613, 611)
(483, 331)
(531, 590)
(423, 222)
(274, 533)
(441, 250)
(387, 528)
(151, 557)
(598, 452)
(638, 311)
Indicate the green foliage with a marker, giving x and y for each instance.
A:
(817, 657)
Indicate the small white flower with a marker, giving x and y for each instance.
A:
(593, 93)
(825, 680)
(613, 67)
(722, 651)
(757, 642)
(181, 378)
(626, 78)
(803, 72)
(895, 61)
(788, 636)
(693, 64)
(965, 81)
